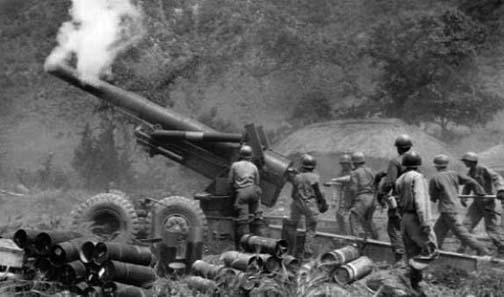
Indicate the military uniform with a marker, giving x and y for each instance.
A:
(414, 205)
(491, 182)
(361, 187)
(344, 204)
(244, 176)
(394, 170)
(304, 203)
(444, 188)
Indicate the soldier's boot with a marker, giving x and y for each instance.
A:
(241, 228)
(290, 235)
(416, 277)
(398, 257)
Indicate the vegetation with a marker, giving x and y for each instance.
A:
(282, 64)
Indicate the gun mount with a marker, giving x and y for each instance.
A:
(192, 144)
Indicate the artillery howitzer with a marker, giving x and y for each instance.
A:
(190, 143)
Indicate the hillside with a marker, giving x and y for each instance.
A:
(283, 64)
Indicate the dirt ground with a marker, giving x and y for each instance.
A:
(51, 209)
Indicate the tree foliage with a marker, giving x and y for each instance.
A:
(100, 160)
(429, 70)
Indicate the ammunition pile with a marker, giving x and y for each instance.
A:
(262, 257)
(346, 264)
(86, 267)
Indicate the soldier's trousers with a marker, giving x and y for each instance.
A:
(342, 221)
(309, 209)
(394, 231)
(361, 216)
(485, 210)
(450, 221)
(415, 241)
(246, 203)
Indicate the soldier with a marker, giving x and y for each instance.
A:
(344, 199)
(306, 196)
(484, 208)
(443, 187)
(418, 236)
(403, 144)
(244, 178)
(361, 186)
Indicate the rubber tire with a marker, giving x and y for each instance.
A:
(178, 205)
(113, 204)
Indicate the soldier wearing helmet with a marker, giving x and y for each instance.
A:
(362, 191)
(443, 188)
(244, 179)
(413, 200)
(483, 208)
(403, 144)
(306, 201)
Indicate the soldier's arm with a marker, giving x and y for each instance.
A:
(433, 190)
(421, 199)
(497, 180)
(390, 178)
(257, 177)
(353, 182)
(231, 174)
(470, 183)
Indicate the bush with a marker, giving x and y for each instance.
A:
(313, 107)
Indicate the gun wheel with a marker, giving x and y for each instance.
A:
(108, 216)
(179, 214)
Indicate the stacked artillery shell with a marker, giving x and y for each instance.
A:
(242, 261)
(85, 267)
(37, 245)
(207, 276)
(353, 271)
(131, 274)
(346, 264)
(258, 244)
(335, 258)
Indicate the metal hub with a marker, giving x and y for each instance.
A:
(177, 223)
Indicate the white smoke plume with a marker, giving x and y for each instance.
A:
(98, 32)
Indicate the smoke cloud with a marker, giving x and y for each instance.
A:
(98, 32)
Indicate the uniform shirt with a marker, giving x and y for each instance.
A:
(243, 174)
(344, 191)
(444, 187)
(362, 181)
(490, 180)
(302, 186)
(413, 196)
(394, 170)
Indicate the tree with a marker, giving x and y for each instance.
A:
(84, 154)
(429, 70)
(101, 160)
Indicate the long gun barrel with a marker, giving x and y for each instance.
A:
(139, 106)
(185, 140)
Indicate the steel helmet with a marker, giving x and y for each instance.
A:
(470, 156)
(246, 152)
(411, 159)
(358, 158)
(345, 159)
(308, 162)
(441, 160)
(403, 141)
